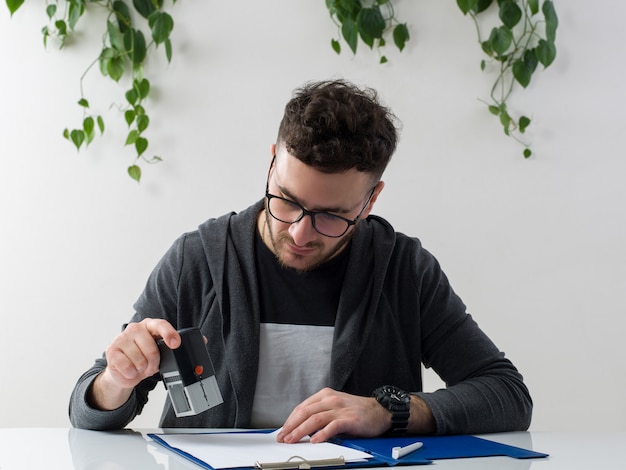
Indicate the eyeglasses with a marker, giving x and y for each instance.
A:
(325, 223)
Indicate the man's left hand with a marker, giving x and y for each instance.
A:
(329, 413)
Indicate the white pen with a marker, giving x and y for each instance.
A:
(398, 452)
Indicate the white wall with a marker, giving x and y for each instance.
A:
(535, 247)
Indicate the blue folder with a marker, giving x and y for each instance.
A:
(434, 448)
(438, 447)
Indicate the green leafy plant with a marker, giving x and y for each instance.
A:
(524, 39)
(371, 21)
(123, 52)
(516, 45)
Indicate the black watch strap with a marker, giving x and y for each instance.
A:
(398, 402)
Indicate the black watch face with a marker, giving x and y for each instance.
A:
(396, 394)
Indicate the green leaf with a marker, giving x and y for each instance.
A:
(83, 102)
(138, 72)
(482, 5)
(161, 24)
(350, 34)
(66, 133)
(112, 64)
(129, 116)
(483, 64)
(475, 6)
(534, 6)
(132, 96)
(347, 10)
(135, 44)
(61, 26)
(46, 34)
(106, 55)
(370, 21)
(500, 39)
(77, 136)
(142, 122)
(168, 50)
(527, 152)
(132, 137)
(524, 68)
(50, 10)
(144, 7)
(510, 14)
(335, 45)
(400, 35)
(88, 127)
(331, 5)
(116, 68)
(466, 5)
(546, 52)
(552, 22)
(141, 144)
(487, 48)
(524, 122)
(505, 120)
(116, 37)
(134, 172)
(368, 40)
(14, 5)
(123, 15)
(100, 122)
(143, 87)
(77, 8)
(383, 60)
(495, 110)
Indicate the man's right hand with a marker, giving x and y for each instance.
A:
(131, 357)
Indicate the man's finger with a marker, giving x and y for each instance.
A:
(160, 328)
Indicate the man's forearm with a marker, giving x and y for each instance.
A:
(421, 420)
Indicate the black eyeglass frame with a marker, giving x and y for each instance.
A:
(304, 212)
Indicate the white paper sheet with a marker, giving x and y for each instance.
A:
(229, 450)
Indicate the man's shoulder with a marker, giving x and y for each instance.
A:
(245, 216)
(396, 248)
(213, 235)
(381, 230)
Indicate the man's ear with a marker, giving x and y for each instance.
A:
(377, 190)
(273, 150)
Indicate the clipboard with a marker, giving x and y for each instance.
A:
(256, 449)
(378, 451)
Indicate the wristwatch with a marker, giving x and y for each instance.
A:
(399, 403)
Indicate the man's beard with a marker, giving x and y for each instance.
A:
(279, 242)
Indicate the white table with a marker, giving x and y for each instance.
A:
(63, 448)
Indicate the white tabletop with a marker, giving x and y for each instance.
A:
(62, 448)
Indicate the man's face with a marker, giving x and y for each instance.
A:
(299, 245)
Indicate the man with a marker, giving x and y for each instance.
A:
(317, 315)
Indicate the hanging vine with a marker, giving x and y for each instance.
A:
(524, 39)
(123, 53)
(371, 23)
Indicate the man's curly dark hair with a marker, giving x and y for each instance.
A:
(334, 126)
